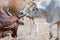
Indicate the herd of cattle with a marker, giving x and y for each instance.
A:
(11, 13)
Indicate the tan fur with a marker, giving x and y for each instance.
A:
(15, 6)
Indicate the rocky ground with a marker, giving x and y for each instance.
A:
(38, 31)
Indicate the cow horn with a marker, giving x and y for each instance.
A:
(8, 12)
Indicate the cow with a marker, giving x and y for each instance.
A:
(9, 23)
(49, 11)
(13, 9)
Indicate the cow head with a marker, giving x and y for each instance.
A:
(34, 9)
(15, 7)
(25, 10)
(30, 10)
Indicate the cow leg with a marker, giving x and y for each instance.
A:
(14, 34)
(4, 35)
(55, 20)
(50, 33)
(14, 30)
(37, 29)
(31, 22)
(0, 34)
(58, 30)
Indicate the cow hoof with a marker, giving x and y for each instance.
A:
(57, 39)
(50, 35)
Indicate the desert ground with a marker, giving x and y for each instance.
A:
(38, 31)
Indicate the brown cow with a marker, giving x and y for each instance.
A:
(13, 7)
(9, 23)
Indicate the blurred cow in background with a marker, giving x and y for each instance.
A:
(48, 10)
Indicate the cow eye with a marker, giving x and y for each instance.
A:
(33, 9)
(36, 8)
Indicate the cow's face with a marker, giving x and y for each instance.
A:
(15, 7)
(31, 11)
(25, 9)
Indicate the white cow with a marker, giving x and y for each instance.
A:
(50, 11)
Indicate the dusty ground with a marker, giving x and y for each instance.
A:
(28, 32)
